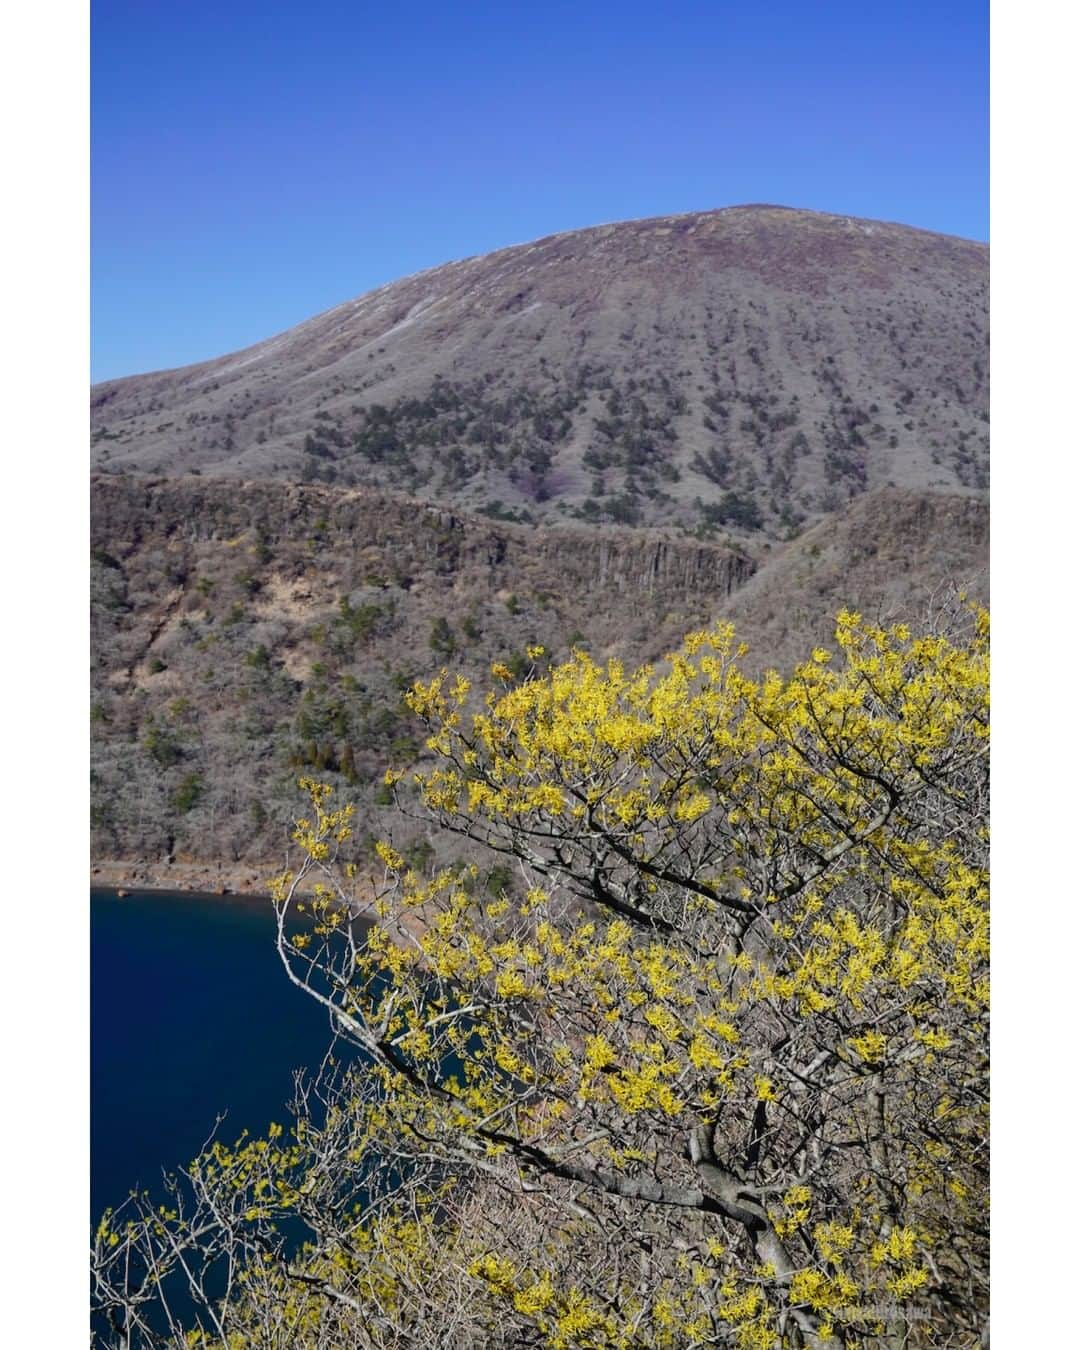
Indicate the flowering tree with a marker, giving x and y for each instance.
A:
(713, 1071)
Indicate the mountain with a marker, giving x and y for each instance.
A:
(747, 370)
(602, 440)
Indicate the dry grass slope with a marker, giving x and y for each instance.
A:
(743, 371)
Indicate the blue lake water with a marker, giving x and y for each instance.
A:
(191, 1016)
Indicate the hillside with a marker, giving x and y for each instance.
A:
(740, 372)
(245, 633)
(601, 439)
(892, 555)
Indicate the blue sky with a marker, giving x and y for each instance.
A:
(253, 164)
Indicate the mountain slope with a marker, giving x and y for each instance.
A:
(748, 370)
(790, 408)
(892, 555)
(245, 633)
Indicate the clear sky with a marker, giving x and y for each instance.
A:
(253, 164)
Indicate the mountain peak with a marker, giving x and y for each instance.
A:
(746, 369)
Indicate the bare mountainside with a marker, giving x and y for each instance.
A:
(245, 633)
(747, 370)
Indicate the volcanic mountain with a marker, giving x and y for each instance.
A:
(602, 439)
(748, 370)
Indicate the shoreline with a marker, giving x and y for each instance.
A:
(233, 883)
(174, 893)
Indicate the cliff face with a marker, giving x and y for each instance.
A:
(246, 633)
(131, 513)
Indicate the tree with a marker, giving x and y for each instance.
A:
(713, 1071)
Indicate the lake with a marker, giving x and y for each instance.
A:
(191, 1016)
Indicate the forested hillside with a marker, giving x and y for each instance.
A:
(244, 634)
